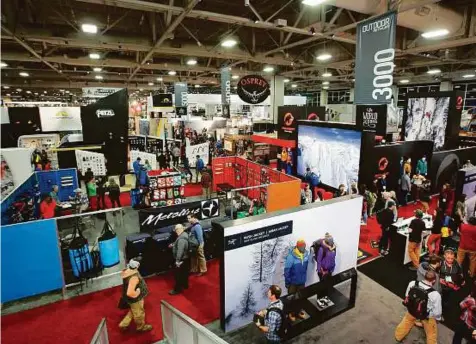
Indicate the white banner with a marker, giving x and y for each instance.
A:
(99, 92)
(5, 119)
(201, 149)
(151, 158)
(60, 118)
(95, 161)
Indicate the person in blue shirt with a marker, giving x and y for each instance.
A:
(199, 165)
(198, 261)
(136, 165)
(295, 271)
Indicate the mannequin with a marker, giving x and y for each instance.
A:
(295, 271)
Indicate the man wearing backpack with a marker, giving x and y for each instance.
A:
(313, 180)
(198, 261)
(423, 304)
(273, 317)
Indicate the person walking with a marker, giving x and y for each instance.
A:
(466, 327)
(186, 169)
(182, 260)
(114, 193)
(206, 182)
(101, 193)
(273, 316)
(134, 291)
(91, 189)
(467, 245)
(416, 228)
(199, 165)
(176, 155)
(198, 261)
(423, 304)
(405, 187)
(385, 218)
(434, 240)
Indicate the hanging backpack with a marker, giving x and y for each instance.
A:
(108, 244)
(417, 301)
(285, 324)
(79, 255)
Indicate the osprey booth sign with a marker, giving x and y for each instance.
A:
(253, 89)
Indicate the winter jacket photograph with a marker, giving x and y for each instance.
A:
(295, 268)
(326, 259)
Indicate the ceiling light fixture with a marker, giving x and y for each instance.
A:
(234, 77)
(286, 80)
(94, 56)
(29, 92)
(435, 33)
(18, 90)
(192, 62)
(325, 82)
(24, 74)
(404, 81)
(3, 64)
(268, 69)
(6, 87)
(89, 28)
(327, 75)
(151, 84)
(197, 86)
(434, 71)
(228, 43)
(99, 77)
(312, 2)
(172, 72)
(466, 76)
(324, 57)
(97, 69)
(159, 79)
(325, 87)
(293, 85)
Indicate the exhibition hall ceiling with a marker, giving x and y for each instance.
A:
(70, 44)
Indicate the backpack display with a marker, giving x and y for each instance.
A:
(79, 255)
(108, 244)
(417, 301)
(285, 324)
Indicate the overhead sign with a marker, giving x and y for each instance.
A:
(60, 118)
(374, 61)
(162, 100)
(253, 89)
(181, 95)
(155, 218)
(202, 149)
(225, 86)
(372, 118)
(99, 92)
(181, 111)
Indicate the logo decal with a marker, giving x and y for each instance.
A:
(210, 208)
(253, 89)
(104, 113)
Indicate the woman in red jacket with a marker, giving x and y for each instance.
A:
(467, 245)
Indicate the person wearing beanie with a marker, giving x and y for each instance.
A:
(134, 290)
(326, 257)
(295, 271)
(416, 228)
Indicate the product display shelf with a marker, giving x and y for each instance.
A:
(166, 190)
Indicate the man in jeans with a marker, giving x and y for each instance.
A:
(198, 262)
(406, 187)
(434, 312)
(417, 226)
(272, 317)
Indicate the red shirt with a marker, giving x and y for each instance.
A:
(468, 306)
(206, 180)
(47, 211)
(468, 237)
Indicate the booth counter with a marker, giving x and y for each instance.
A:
(400, 235)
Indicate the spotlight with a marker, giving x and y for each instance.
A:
(24, 74)
(325, 82)
(327, 75)
(234, 77)
(312, 2)
(434, 71)
(97, 69)
(229, 43)
(159, 79)
(172, 72)
(99, 77)
(286, 80)
(3, 64)
(89, 28)
(404, 81)
(467, 76)
(94, 56)
(192, 62)
(435, 33)
(268, 69)
(293, 85)
(324, 57)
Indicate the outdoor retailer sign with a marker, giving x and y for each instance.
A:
(375, 53)
(258, 235)
(99, 92)
(372, 118)
(154, 218)
(253, 89)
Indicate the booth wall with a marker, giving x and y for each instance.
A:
(19, 162)
(256, 249)
(30, 259)
(27, 185)
(283, 196)
(66, 179)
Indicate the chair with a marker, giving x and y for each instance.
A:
(327, 195)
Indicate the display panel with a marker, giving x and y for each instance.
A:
(257, 252)
(427, 118)
(333, 153)
(469, 189)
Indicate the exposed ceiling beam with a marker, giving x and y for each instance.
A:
(255, 12)
(114, 23)
(278, 11)
(296, 23)
(170, 29)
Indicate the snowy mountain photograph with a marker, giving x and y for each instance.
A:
(427, 119)
(331, 152)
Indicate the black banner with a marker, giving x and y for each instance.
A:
(181, 111)
(287, 121)
(253, 89)
(315, 113)
(162, 100)
(153, 145)
(155, 218)
(372, 118)
(258, 235)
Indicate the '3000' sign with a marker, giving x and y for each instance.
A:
(383, 74)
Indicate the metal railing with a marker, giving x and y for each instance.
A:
(100, 336)
(181, 329)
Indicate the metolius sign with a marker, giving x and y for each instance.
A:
(155, 218)
(375, 53)
(253, 89)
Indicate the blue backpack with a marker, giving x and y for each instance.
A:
(315, 179)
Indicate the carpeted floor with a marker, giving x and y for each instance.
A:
(76, 320)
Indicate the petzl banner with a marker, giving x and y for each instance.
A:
(374, 65)
(181, 96)
(225, 86)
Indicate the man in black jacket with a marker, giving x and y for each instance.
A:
(386, 218)
(182, 260)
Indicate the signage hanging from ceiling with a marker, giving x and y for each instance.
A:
(60, 118)
(372, 118)
(374, 61)
(225, 85)
(162, 100)
(181, 95)
(253, 89)
(99, 92)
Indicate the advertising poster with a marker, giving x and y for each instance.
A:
(162, 100)
(257, 252)
(150, 158)
(288, 117)
(332, 153)
(202, 149)
(225, 86)
(95, 161)
(99, 92)
(469, 189)
(374, 59)
(315, 113)
(61, 118)
(372, 118)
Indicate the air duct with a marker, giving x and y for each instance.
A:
(425, 18)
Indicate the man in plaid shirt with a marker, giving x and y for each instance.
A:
(272, 318)
(467, 326)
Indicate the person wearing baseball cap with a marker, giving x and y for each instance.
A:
(416, 228)
(295, 271)
(134, 290)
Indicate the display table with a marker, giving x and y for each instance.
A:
(399, 236)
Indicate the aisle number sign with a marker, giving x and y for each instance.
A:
(374, 63)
